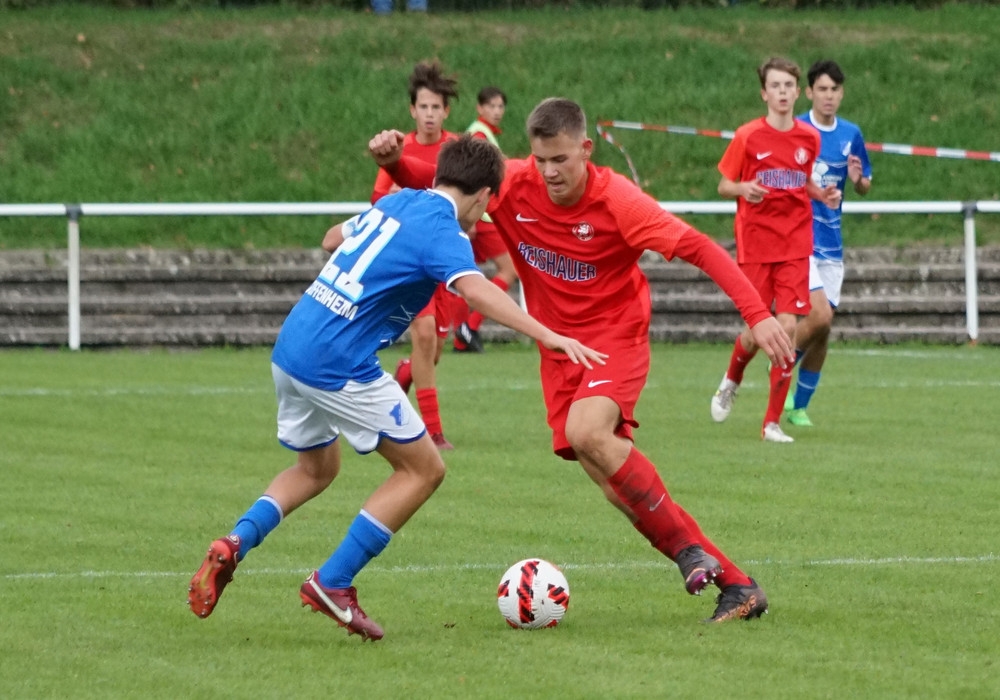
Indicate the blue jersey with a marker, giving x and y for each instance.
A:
(837, 142)
(392, 259)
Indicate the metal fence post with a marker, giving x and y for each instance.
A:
(73, 212)
(971, 273)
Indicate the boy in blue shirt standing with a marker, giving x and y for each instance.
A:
(843, 158)
(385, 266)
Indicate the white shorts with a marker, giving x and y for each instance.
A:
(365, 413)
(827, 275)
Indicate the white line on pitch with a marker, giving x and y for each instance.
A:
(136, 391)
(438, 568)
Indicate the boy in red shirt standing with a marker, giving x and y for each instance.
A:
(430, 92)
(767, 168)
(576, 232)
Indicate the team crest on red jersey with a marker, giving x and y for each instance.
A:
(583, 231)
(801, 156)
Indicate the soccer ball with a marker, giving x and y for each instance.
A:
(533, 594)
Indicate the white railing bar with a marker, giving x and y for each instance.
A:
(74, 211)
(224, 209)
(32, 210)
(849, 207)
(342, 208)
(699, 207)
(852, 207)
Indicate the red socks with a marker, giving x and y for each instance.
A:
(665, 524)
(427, 402)
(731, 574)
(781, 380)
(739, 361)
(657, 517)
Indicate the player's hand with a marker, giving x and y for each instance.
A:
(832, 196)
(386, 147)
(752, 191)
(854, 170)
(576, 351)
(772, 339)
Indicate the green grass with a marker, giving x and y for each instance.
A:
(277, 104)
(874, 536)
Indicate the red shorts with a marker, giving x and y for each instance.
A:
(441, 307)
(487, 244)
(621, 380)
(783, 286)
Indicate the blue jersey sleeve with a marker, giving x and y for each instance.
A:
(376, 282)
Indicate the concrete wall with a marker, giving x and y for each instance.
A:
(240, 297)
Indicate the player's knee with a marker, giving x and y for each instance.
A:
(424, 333)
(824, 317)
(320, 467)
(586, 439)
(433, 473)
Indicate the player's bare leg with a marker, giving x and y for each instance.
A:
(812, 339)
(417, 472)
(312, 472)
(631, 483)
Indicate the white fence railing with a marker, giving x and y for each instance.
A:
(74, 212)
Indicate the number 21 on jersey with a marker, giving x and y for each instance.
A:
(357, 232)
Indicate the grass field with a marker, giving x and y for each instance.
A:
(874, 536)
(277, 103)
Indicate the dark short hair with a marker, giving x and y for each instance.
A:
(488, 93)
(825, 67)
(470, 164)
(554, 116)
(778, 63)
(431, 77)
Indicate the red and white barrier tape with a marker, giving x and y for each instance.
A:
(893, 148)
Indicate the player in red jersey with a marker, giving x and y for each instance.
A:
(430, 92)
(576, 232)
(768, 167)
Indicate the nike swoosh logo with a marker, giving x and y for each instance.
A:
(524, 219)
(800, 305)
(657, 504)
(442, 330)
(597, 382)
(762, 156)
(344, 616)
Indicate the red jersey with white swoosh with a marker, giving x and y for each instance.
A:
(579, 264)
(780, 227)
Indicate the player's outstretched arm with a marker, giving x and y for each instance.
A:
(486, 298)
(386, 148)
(704, 253)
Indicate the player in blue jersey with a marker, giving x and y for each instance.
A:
(329, 382)
(843, 158)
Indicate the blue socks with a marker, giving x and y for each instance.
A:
(365, 540)
(805, 387)
(263, 516)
